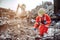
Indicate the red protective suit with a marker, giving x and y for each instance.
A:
(41, 26)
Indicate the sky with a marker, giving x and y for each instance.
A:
(12, 4)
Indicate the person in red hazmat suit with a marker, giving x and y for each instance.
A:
(43, 21)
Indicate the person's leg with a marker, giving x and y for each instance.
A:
(45, 29)
(41, 31)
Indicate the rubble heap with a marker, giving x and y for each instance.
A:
(18, 31)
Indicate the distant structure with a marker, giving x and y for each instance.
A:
(23, 11)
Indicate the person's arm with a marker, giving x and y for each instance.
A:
(36, 22)
(48, 20)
